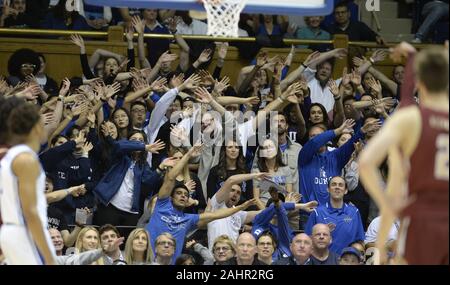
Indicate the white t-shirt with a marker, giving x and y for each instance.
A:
(123, 200)
(229, 226)
(372, 231)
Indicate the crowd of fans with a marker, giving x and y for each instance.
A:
(192, 169)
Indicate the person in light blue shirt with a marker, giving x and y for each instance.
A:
(168, 215)
(313, 32)
(343, 219)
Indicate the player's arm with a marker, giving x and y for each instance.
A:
(401, 131)
(27, 171)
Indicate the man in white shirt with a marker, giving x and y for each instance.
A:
(228, 196)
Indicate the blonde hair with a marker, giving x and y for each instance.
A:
(79, 242)
(129, 253)
(224, 239)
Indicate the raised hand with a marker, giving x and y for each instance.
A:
(80, 108)
(190, 185)
(293, 197)
(205, 56)
(113, 246)
(222, 50)
(123, 65)
(270, 64)
(290, 93)
(346, 77)
(87, 147)
(178, 136)
(379, 55)
(155, 147)
(31, 92)
(334, 89)
(65, 87)
(176, 80)
(91, 117)
(203, 95)
(167, 57)
(196, 150)
(357, 61)
(261, 59)
(356, 77)
(191, 83)
(346, 127)
(310, 59)
(221, 85)
(371, 126)
(158, 84)
(112, 89)
(138, 24)
(207, 79)
(374, 85)
(78, 41)
(129, 35)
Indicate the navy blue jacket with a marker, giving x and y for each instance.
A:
(67, 170)
(110, 184)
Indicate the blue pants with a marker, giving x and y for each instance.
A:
(432, 13)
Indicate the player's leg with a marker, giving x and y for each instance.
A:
(18, 246)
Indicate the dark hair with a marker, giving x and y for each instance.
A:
(130, 125)
(23, 118)
(262, 160)
(324, 112)
(20, 57)
(108, 227)
(180, 99)
(343, 3)
(104, 163)
(432, 69)
(329, 61)
(70, 131)
(60, 12)
(138, 103)
(345, 182)
(178, 185)
(141, 157)
(183, 258)
(6, 106)
(268, 234)
(56, 138)
(241, 167)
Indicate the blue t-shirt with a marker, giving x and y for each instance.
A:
(346, 220)
(166, 218)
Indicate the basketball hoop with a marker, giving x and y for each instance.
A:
(223, 17)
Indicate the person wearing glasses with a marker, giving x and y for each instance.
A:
(165, 245)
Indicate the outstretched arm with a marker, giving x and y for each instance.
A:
(208, 217)
(225, 190)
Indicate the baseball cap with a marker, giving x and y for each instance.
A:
(352, 250)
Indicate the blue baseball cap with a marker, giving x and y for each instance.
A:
(352, 250)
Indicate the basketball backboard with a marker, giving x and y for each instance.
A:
(272, 7)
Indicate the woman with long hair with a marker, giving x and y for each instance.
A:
(122, 119)
(138, 250)
(270, 161)
(231, 162)
(88, 239)
(123, 188)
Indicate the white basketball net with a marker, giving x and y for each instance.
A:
(223, 17)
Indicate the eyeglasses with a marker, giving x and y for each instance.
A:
(169, 243)
(224, 248)
(26, 65)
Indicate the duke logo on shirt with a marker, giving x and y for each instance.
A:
(348, 219)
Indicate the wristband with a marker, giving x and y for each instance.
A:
(371, 60)
(337, 98)
(304, 65)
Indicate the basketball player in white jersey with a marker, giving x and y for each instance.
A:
(24, 238)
